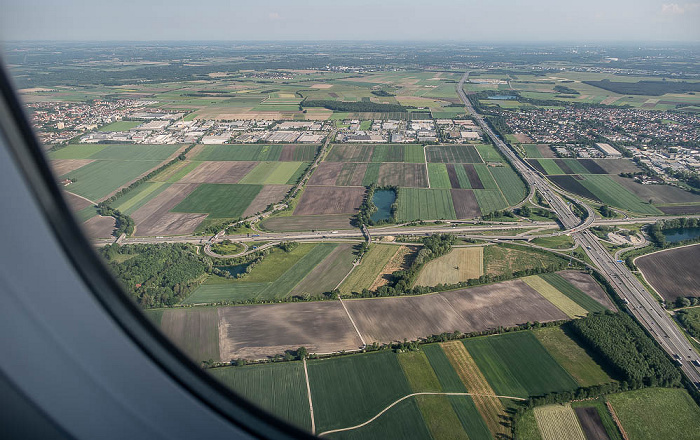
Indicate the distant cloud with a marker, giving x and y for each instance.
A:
(679, 9)
(274, 16)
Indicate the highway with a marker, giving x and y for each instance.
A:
(644, 307)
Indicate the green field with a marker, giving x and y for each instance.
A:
(371, 174)
(77, 151)
(387, 153)
(489, 200)
(462, 177)
(369, 269)
(510, 183)
(98, 179)
(573, 292)
(279, 388)
(516, 364)
(120, 126)
(485, 176)
(488, 153)
(499, 259)
(277, 263)
(349, 390)
(614, 194)
(253, 152)
(139, 196)
(261, 284)
(572, 357)
(555, 242)
(413, 154)
(657, 413)
(531, 151)
(219, 200)
(437, 172)
(425, 204)
(550, 167)
(130, 152)
(273, 173)
(402, 421)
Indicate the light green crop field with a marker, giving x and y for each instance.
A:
(576, 166)
(425, 204)
(490, 200)
(77, 151)
(531, 151)
(350, 390)
(516, 364)
(132, 152)
(555, 242)
(120, 126)
(553, 295)
(369, 269)
(614, 194)
(573, 292)
(656, 413)
(413, 153)
(253, 152)
(550, 167)
(485, 176)
(488, 153)
(277, 263)
(438, 176)
(219, 200)
(510, 183)
(139, 196)
(572, 357)
(402, 421)
(98, 179)
(272, 173)
(371, 174)
(279, 388)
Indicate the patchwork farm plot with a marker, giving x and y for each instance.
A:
(672, 273)
(447, 390)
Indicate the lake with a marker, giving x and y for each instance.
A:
(679, 234)
(383, 199)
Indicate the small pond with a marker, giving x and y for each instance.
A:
(679, 234)
(383, 199)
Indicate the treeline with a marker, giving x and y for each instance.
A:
(566, 90)
(356, 107)
(657, 236)
(689, 322)
(627, 349)
(381, 93)
(123, 223)
(157, 275)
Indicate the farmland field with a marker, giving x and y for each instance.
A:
(438, 176)
(324, 200)
(614, 194)
(402, 421)
(490, 200)
(279, 388)
(194, 331)
(253, 152)
(424, 204)
(98, 179)
(573, 293)
(279, 173)
(488, 153)
(516, 364)
(596, 421)
(327, 274)
(499, 259)
(465, 203)
(510, 184)
(369, 269)
(453, 154)
(217, 201)
(673, 273)
(572, 357)
(155, 218)
(678, 415)
(349, 390)
(466, 310)
(216, 172)
(558, 422)
(460, 264)
(563, 302)
(120, 126)
(259, 331)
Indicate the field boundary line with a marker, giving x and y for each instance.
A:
(413, 395)
(616, 420)
(354, 265)
(352, 321)
(427, 173)
(311, 404)
(79, 196)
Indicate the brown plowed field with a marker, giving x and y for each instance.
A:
(63, 166)
(155, 217)
(617, 166)
(268, 195)
(195, 331)
(523, 138)
(307, 223)
(218, 172)
(680, 209)
(506, 304)
(255, 332)
(401, 260)
(326, 173)
(351, 174)
(591, 423)
(673, 273)
(320, 200)
(410, 175)
(545, 151)
(564, 167)
(465, 203)
(452, 174)
(660, 194)
(76, 203)
(350, 153)
(287, 154)
(592, 166)
(99, 227)
(473, 176)
(589, 286)
(490, 408)
(328, 273)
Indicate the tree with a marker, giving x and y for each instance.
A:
(302, 353)
(525, 211)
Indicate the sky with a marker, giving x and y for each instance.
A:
(398, 20)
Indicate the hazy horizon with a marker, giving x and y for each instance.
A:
(506, 21)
